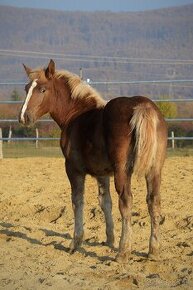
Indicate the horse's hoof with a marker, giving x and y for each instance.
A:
(122, 258)
(153, 256)
(111, 245)
(108, 244)
(75, 244)
(71, 251)
(73, 247)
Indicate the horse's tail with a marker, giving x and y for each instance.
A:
(144, 126)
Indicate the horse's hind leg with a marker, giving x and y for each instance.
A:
(77, 186)
(106, 206)
(154, 206)
(123, 188)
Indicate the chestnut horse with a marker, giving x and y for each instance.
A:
(120, 137)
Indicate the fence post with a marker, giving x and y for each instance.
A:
(37, 136)
(10, 134)
(81, 74)
(1, 145)
(173, 140)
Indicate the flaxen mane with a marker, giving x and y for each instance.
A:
(38, 74)
(79, 88)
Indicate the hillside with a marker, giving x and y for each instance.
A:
(144, 34)
(160, 34)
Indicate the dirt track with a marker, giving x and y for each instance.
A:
(36, 226)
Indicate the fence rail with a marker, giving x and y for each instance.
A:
(57, 139)
(91, 82)
(50, 120)
(5, 102)
(29, 139)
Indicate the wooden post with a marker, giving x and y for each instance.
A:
(10, 134)
(37, 136)
(173, 140)
(81, 74)
(1, 145)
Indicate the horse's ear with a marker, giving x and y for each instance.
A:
(27, 69)
(50, 70)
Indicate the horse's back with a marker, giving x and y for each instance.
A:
(119, 111)
(124, 106)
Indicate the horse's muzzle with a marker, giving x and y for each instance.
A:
(26, 119)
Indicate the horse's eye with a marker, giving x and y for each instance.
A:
(42, 90)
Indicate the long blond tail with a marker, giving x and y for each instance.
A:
(144, 124)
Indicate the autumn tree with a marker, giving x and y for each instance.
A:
(168, 109)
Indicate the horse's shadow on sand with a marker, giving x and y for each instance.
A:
(81, 249)
(8, 230)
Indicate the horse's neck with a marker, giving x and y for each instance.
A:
(66, 109)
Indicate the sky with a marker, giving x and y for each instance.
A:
(96, 5)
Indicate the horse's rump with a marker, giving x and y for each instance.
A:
(135, 120)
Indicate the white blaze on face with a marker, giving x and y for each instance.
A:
(33, 85)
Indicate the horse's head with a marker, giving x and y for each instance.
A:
(38, 94)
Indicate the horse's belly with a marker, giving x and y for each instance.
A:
(97, 164)
(96, 170)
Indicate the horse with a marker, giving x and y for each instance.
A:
(120, 137)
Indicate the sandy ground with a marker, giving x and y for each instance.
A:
(36, 226)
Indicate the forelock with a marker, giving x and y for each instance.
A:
(37, 74)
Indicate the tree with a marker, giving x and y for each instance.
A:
(15, 95)
(168, 109)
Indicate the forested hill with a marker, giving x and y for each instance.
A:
(158, 34)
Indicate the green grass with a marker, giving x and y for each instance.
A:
(28, 149)
(181, 152)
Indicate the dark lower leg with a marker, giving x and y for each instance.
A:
(154, 207)
(106, 206)
(123, 187)
(77, 204)
(77, 195)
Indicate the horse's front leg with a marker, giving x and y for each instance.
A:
(106, 206)
(77, 186)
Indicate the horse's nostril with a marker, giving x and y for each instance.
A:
(29, 118)
(21, 119)
(25, 119)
